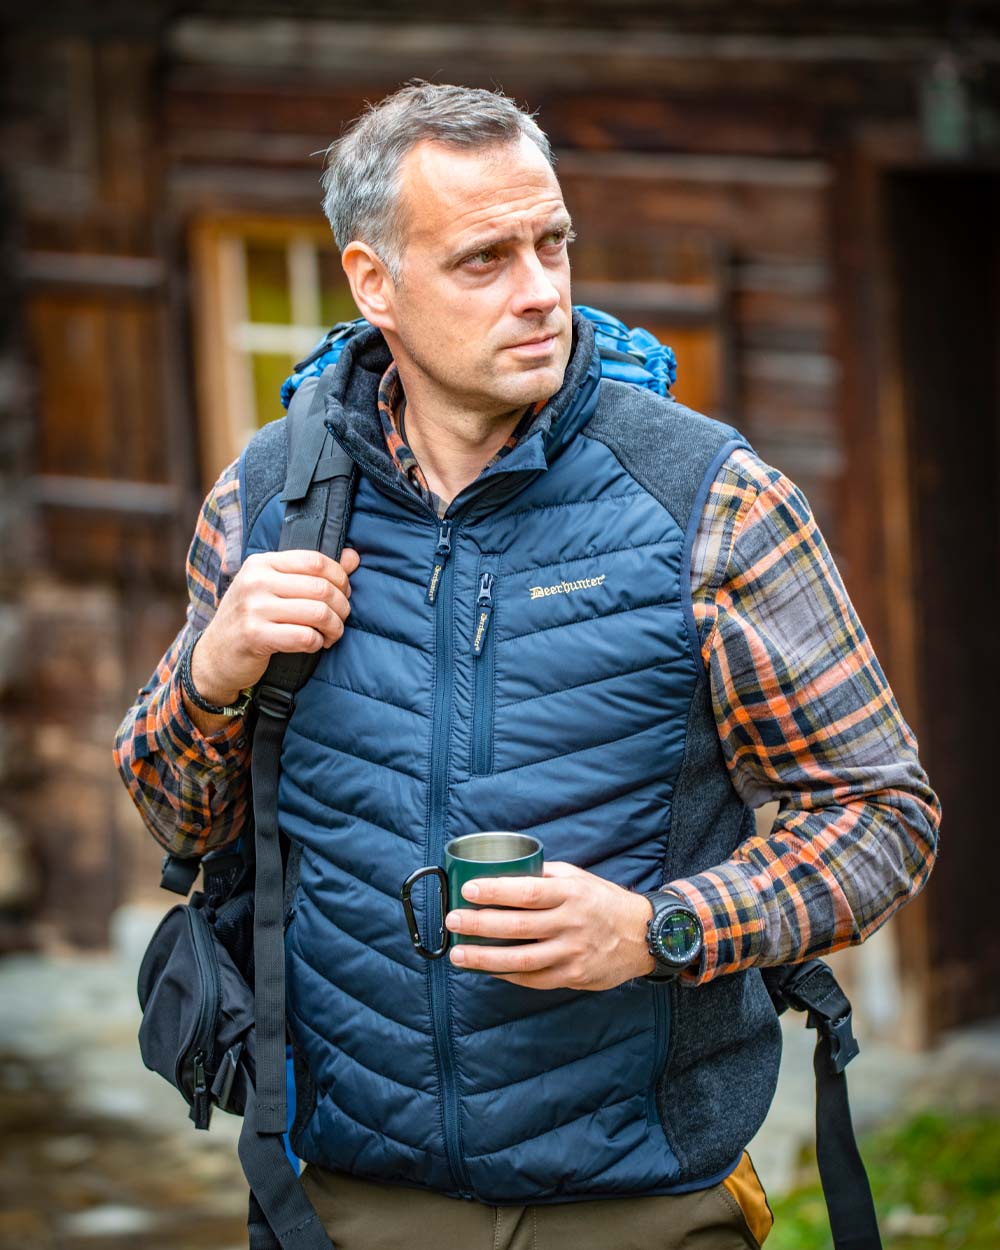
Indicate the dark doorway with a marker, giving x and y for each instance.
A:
(943, 235)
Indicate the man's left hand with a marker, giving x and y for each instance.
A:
(590, 934)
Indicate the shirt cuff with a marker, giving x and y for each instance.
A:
(732, 920)
(183, 737)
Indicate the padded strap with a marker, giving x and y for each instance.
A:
(316, 519)
(307, 436)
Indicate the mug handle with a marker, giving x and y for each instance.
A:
(411, 920)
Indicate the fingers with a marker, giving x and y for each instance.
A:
(296, 586)
(519, 891)
(295, 589)
(532, 957)
(291, 638)
(273, 624)
(313, 564)
(314, 614)
(520, 926)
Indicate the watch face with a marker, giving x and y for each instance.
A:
(679, 937)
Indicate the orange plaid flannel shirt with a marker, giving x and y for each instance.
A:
(805, 718)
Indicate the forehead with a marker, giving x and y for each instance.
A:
(450, 194)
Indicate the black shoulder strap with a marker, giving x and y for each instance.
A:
(304, 528)
(318, 493)
(812, 987)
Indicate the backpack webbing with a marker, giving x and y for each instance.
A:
(319, 484)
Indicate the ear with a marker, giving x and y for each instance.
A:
(371, 285)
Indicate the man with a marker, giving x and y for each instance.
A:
(668, 646)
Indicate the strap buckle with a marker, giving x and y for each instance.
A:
(843, 1044)
(275, 702)
(812, 987)
(178, 875)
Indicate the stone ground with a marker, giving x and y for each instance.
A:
(96, 1152)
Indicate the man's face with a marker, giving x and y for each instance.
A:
(482, 315)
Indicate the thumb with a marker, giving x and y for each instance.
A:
(349, 560)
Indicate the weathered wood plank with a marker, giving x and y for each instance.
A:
(561, 56)
(755, 220)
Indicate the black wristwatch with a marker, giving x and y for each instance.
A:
(673, 935)
(213, 709)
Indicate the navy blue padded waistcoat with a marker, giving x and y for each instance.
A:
(584, 718)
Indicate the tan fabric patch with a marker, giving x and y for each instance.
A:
(744, 1185)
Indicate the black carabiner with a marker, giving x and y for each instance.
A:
(411, 920)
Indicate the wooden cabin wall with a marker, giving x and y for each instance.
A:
(735, 128)
(113, 483)
(19, 877)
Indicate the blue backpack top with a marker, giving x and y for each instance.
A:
(633, 356)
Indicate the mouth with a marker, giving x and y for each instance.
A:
(537, 346)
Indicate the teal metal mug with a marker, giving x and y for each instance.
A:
(495, 854)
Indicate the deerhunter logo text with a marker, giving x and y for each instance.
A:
(565, 588)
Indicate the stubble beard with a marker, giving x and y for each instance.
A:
(486, 390)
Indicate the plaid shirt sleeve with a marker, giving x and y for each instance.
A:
(806, 718)
(191, 789)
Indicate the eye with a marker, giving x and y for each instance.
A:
(557, 238)
(479, 260)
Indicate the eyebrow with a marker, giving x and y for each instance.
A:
(561, 222)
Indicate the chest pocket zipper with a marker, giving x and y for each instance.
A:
(484, 678)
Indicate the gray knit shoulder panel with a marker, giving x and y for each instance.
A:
(666, 447)
(262, 472)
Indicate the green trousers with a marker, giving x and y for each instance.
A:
(367, 1215)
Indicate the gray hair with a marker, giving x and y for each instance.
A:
(361, 176)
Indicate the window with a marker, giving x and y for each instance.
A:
(266, 291)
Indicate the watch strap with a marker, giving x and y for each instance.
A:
(190, 690)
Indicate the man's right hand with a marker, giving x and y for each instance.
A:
(278, 601)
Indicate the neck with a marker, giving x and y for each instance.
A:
(453, 445)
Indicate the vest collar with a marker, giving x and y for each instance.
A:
(352, 411)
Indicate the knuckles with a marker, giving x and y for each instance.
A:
(519, 929)
(532, 894)
(576, 977)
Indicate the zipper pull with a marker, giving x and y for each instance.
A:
(441, 553)
(484, 609)
(201, 1107)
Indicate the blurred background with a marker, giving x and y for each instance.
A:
(802, 199)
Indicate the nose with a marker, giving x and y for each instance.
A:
(535, 293)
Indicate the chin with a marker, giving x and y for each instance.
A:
(534, 384)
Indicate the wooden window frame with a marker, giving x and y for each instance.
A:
(224, 335)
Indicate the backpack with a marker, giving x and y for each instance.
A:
(211, 983)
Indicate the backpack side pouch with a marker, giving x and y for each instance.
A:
(197, 1012)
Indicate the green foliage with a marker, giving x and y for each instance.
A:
(936, 1182)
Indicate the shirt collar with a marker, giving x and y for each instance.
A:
(391, 410)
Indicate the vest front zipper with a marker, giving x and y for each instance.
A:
(441, 553)
(440, 969)
(483, 680)
(439, 587)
